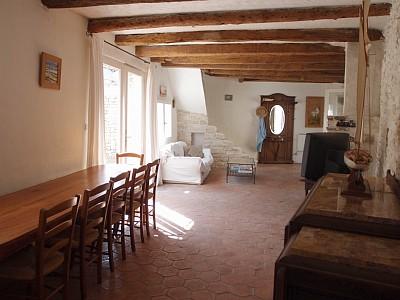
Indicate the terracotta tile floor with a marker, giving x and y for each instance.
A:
(214, 241)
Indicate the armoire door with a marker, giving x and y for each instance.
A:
(279, 122)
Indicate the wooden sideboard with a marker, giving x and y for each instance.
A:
(324, 264)
(341, 248)
(324, 207)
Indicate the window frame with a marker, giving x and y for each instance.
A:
(164, 103)
(124, 70)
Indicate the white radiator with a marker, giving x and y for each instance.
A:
(301, 138)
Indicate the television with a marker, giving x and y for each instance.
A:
(323, 153)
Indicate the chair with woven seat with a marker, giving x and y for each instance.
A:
(150, 194)
(135, 203)
(116, 215)
(51, 251)
(127, 155)
(88, 237)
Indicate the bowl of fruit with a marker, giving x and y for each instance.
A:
(357, 159)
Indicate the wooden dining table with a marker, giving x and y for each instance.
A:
(19, 211)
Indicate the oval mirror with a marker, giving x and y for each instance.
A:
(277, 119)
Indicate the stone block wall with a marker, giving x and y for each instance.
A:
(221, 147)
(388, 154)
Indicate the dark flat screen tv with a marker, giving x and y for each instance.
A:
(323, 153)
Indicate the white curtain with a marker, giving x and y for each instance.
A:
(95, 149)
(150, 140)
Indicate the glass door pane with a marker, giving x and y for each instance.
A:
(112, 111)
(134, 113)
(160, 122)
(168, 120)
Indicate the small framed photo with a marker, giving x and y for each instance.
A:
(50, 71)
(228, 97)
(163, 91)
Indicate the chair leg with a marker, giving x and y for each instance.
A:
(141, 221)
(82, 273)
(110, 247)
(123, 238)
(99, 258)
(146, 213)
(66, 279)
(154, 213)
(39, 288)
(132, 230)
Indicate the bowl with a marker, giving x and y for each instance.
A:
(362, 164)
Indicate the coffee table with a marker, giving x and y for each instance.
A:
(241, 167)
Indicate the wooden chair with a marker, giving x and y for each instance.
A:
(52, 250)
(135, 203)
(88, 240)
(130, 155)
(150, 194)
(116, 215)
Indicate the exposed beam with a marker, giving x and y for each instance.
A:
(235, 17)
(270, 66)
(290, 35)
(237, 49)
(300, 80)
(252, 59)
(280, 73)
(88, 3)
(306, 78)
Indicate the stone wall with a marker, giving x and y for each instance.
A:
(188, 122)
(388, 154)
(221, 147)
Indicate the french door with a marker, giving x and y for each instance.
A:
(123, 108)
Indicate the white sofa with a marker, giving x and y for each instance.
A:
(177, 168)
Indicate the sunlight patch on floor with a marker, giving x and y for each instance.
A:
(174, 217)
(171, 223)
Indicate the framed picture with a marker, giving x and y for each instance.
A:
(228, 97)
(163, 91)
(314, 112)
(50, 71)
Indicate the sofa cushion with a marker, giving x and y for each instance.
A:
(195, 151)
(178, 148)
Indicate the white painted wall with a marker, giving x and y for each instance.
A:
(41, 131)
(372, 96)
(373, 80)
(237, 119)
(187, 88)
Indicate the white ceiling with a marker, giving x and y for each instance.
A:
(223, 5)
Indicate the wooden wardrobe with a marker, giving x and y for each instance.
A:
(279, 121)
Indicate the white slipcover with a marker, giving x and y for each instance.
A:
(184, 169)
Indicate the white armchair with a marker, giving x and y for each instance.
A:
(177, 168)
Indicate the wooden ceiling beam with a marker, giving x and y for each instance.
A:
(234, 17)
(300, 80)
(304, 78)
(252, 59)
(270, 66)
(280, 73)
(89, 3)
(237, 49)
(289, 35)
